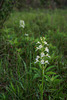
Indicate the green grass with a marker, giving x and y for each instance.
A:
(19, 78)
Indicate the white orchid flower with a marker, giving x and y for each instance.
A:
(42, 54)
(42, 61)
(22, 24)
(46, 49)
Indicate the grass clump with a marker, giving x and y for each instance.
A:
(21, 78)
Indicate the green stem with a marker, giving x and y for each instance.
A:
(42, 82)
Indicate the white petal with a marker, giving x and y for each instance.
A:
(38, 42)
(46, 49)
(42, 54)
(46, 62)
(40, 46)
(38, 56)
(42, 61)
(26, 34)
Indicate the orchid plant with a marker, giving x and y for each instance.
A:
(43, 61)
(42, 58)
(22, 23)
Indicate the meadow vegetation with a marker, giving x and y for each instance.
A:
(22, 75)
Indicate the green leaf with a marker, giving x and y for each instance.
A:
(25, 66)
(47, 77)
(21, 85)
(53, 90)
(36, 76)
(48, 68)
(56, 77)
(15, 41)
(57, 81)
(36, 69)
(12, 86)
(50, 73)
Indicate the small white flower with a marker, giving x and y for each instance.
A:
(37, 48)
(40, 46)
(38, 42)
(46, 49)
(36, 60)
(47, 55)
(22, 23)
(42, 61)
(46, 62)
(45, 42)
(38, 57)
(42, 54)
(26, 34)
